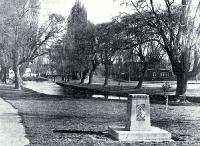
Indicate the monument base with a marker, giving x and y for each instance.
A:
(155, 134)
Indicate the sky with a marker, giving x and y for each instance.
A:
(98, 11)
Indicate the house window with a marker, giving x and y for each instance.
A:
(164, 74)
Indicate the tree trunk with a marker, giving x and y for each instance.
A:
(119, 76)
(75, 75)
(5, 75)
(94, 66)
(129, 74)
(181, 84)
(106, 74)
(63, 77)
(68, 76)
(16, 69)
(79, 75)
(1, 75)
(181, 74)
(18, 80)
(141, 79)
(84, 75)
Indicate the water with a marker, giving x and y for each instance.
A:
(109, 97)
(51, 88)
(46, 87)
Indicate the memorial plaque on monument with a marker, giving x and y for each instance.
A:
(140, 112)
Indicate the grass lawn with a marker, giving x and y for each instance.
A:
(60, 121)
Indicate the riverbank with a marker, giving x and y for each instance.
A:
(193, 87)
(58, 120)
(154, 87)
(155, 92)
(112, 89)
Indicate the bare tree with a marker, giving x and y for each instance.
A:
(149, 54)
(177, 30)
(27, 41)
(110, 41)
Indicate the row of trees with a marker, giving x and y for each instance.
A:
(148, 35)
(85, 45)
(22, 40)
(176, 29)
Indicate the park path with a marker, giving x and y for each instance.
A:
(12, 132)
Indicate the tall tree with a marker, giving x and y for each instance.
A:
(25, 39)
(57, 57)
(110, 40)
(178, 30)
(140, 40)
(149, 54)
(80, 43)
(76, 27)
(88, 52)
(5, 60)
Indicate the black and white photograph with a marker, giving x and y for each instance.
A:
(99, 72)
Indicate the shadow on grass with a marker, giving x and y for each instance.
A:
(105, 134)
(177, 138)
(101, 135)
(80, 132)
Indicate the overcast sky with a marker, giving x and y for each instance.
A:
(98, 10)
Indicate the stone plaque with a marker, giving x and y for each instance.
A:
(140, 112)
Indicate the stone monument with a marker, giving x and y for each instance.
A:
(138, 127)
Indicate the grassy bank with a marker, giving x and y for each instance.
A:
(112, 89)
(58, 120)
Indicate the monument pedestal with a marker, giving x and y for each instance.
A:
(138, 127)
(155, 134)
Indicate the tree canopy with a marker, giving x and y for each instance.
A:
(176, 29)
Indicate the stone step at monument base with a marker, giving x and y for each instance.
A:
(155, 134)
